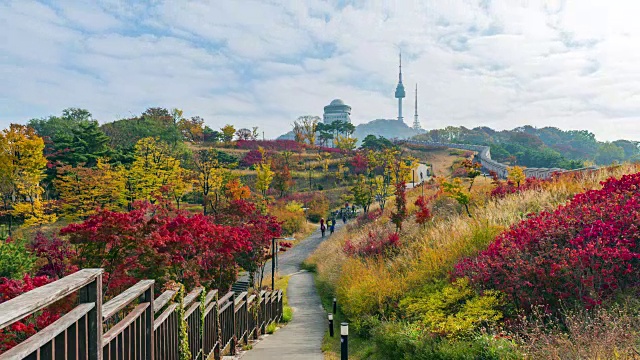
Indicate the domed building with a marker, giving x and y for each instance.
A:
(337, 110)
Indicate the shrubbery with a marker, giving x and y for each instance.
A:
(455, 310)
(376, 244)
(276, 145)
(582, 252)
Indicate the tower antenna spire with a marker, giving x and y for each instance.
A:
(400, 90)
(416, 122)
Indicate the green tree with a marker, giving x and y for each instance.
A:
(227, 133)
(85, 145)
(609, 153)
(362, 193)
(61, 126)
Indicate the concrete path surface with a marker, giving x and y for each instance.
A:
(302, 337)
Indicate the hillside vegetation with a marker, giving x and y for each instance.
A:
(543, 147)
(545, 271)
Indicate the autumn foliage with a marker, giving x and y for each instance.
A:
(582, 252)
(376, 244)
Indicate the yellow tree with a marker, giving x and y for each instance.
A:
(22, 166)
(516, 174)
(154, 168)
(382, 190)
(264, 177)
(83, 189)
(345, 142)
(227, 133)
(210, 177)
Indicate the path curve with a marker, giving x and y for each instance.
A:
(302, 337)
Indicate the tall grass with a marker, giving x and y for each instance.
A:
(374, 286)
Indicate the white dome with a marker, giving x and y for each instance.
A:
(337, 102)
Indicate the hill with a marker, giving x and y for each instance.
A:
(390, 129)
(451, 286)
(540, 147)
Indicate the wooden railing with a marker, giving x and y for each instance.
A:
(137, 325)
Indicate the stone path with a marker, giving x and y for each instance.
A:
(302, 337)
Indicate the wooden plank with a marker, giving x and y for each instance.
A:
(45, 335)
(192, 295)
(130, 318)
(225, 298)
(92, 293)
(225, 306)
(163, 317)
(39, 298)
(210, 296)
(163, 299)
(241, 297)
(123, 299)
(251, 299)
(191, 309)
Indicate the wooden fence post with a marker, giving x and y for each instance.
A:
(92, 293)
(148, 324)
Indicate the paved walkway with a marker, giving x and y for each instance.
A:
(302, 337)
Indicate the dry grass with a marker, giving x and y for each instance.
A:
(595, 334)
(429, 253)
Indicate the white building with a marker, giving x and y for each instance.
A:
(337, 110)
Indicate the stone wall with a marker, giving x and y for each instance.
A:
(484, 154)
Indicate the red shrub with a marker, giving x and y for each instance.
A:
(504, 188)
(55, 254)
(251, 158)
(376, 244)
(422, 214)
(582, 252)
(276, 145)
(20, 330)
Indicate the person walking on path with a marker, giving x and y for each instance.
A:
(323, 228)
(332, 227)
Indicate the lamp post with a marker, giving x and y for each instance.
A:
(274, 259)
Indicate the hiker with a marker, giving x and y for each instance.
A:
(323, 228)
(332, 227)
(344, 217)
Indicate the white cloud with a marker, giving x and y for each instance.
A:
(498, 63)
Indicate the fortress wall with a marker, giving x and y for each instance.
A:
(484, 154)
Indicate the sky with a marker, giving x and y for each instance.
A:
(571, 64)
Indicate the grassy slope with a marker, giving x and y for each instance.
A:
(428, 254)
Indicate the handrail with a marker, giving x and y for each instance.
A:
(190, 297)
(163, 317)
(45, 335)
(210, 296)
(37, 299)
(112, 306)
(130, 318)
(240, 297)
(215, 325)
(162, 300)
(225, 298)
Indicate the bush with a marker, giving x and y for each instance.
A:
(407, 341)
(291, 217)
(287, 314)
(251, 158)
(318, 207)
(582, 252)
(274, 145)
(15, 259)
(376, 244)
(455, 310)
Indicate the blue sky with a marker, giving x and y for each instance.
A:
(570, 64)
